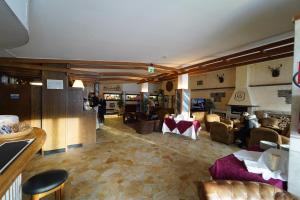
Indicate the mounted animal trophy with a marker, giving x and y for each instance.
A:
(275, 70)
(221, 78)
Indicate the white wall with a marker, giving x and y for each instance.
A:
(131, 88)
(266, 96)
(210, 80)
(260, 74)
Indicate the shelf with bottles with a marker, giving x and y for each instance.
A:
(132, 97)
(112, 96)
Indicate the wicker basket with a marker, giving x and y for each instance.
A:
(16, 135)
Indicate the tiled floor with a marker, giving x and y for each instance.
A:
(125, 165)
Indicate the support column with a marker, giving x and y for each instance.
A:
(96, 89)
(294, 153)
(183, 96)
(144, 97)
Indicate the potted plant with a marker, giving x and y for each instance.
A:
(209, 105)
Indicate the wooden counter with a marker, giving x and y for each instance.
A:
(18, 165)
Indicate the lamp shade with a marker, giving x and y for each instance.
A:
(78, 84)
(144, 87)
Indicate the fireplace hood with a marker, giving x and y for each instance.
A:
(242, 95)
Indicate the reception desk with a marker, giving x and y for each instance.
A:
(10, 180)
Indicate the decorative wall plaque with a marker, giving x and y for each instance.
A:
(217, 96)
(200, 82)
(287, 94)
(169, 86)
(239, 95)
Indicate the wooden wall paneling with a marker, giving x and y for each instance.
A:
(89, 127)
(54, 110)
(74, 112)
(20, 106)
(81, 128)
(36, 106)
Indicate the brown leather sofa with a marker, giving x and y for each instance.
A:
(267, 134)
(146, 126)
(225, 190)
(222, 132)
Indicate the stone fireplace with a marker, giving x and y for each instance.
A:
(241, 99)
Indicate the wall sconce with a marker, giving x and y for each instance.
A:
(275, 70)
(36, 83)
(78, 84)
(221, 78)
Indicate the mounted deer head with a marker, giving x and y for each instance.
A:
(221, 78)
(275, 70)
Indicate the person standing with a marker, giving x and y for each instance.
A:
(250, 122)
(101, 110)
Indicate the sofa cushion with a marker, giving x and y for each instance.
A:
(270, 123)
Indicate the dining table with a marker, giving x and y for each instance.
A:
(231, 168)
(186, 127)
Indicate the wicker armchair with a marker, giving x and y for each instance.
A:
(222, 132)
(219, 190)
(267, 134)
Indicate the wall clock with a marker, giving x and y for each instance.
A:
(169, 86)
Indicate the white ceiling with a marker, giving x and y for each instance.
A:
(170, 32)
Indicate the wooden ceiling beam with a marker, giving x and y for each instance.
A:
(92, 79)
(204, 70)
(138, 77)
(31, 67)
(89, 64)
(42, 67)
(240, 54)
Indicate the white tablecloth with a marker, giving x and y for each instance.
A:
(259, 163)
(189, 132)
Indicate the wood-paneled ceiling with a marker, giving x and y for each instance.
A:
(99, 71)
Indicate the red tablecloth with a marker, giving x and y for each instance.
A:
(187, 128)
(230, 168)
(181, 125)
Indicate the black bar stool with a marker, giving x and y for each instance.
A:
(46, 183)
